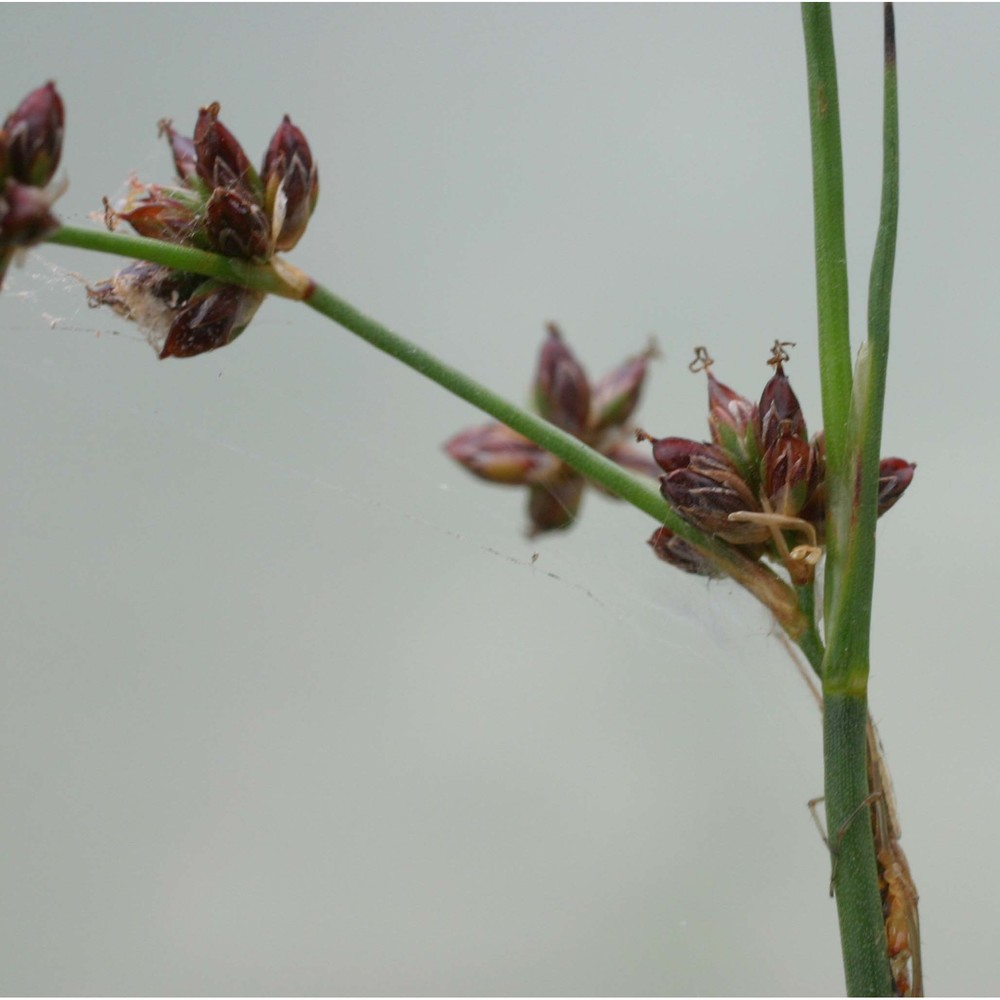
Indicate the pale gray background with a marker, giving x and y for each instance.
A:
(286, 708)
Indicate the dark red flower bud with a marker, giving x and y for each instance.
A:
(894, 475)
(291, 184)
(501, 455)
(616, 395)
(730, 415)
(675, 550)
(214, 316)
(553, 506)
(33, 137)
(182, 148)
(779, 412)
(814, 509)
(706, 491)
(733, 421)
(221, 162)
(676, 453)
(787, 475)
(236, 225)
(562, 392)
(164, 214)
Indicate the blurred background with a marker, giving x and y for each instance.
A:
(287, 705)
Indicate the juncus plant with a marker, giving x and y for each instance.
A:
(760, 500)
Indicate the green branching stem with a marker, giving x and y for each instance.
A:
(852, 409)
(281, 278)
(810, 642)
(262, 277)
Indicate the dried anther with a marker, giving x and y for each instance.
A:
(596, 413)
(222, 204)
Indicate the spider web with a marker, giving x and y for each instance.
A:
(284, 491)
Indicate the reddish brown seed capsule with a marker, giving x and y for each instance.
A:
(894, 476)
(496, 453)
(291, 184)
(787, 472)
(33, 137)
(183, 151)
(221, 162)
(553, 506)
(236, 225)
(675, 550)
(673, 453)
(728, 411)
(158, 214)
(706, 492)
(779, 411)
(211, 319)
(562, 392)
(615, 396)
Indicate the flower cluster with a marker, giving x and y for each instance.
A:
(221, 204)
(30, 148)
(760, 483)
(595, 413)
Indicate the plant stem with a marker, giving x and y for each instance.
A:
(262, 277)
(859, 905)
(765, 585)
(810, 642)
(281, 278)
(831, 245)
(849, 412)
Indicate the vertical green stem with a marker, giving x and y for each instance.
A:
(852, 415)
(830, 251)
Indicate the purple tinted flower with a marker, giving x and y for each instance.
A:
(213, 317)
(496, 453)
(675, 550)
(220, 160)
(236, 225)
(894, 476)
(291, 184)
(562, 392)
(779, 411)
(32, 138)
